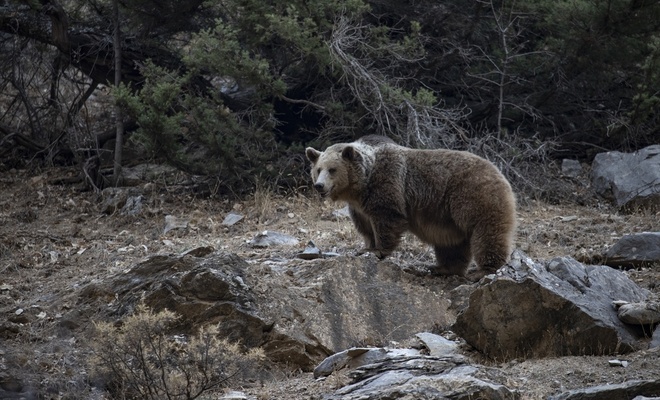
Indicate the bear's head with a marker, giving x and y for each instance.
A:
(339, 171)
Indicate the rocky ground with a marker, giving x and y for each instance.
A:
(55, 240)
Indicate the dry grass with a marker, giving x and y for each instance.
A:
(142, 359)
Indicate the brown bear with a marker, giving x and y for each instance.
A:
(454, 200)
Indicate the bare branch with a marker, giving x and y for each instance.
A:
(395, 112)
(302, 101)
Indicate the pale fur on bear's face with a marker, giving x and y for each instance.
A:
(334, 170)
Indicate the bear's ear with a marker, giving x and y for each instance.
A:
(351, 154)
(312, 154)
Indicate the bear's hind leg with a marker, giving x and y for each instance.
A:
(452, 260)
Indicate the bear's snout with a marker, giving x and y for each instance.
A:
(322, 189)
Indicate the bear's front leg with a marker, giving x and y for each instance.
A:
(387, 235)
(363, 225)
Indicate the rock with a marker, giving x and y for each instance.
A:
(422, 377)
(342, 213)
(337, 361)
(172, 222)
(272, 238)
(460, 296)
(232, 218)
(437, 345)
(202, 291)
(571, 168)
(629, 179)
(292, 348)
(655, 340)
(311, 252)
(359, 356)
(298, 313)
(636, 250)
(10, 383)
(166, 174)
(618, 363)
(201, 251)
(132, 206)
(113, 199)
(337, 302)
(234, 395)
(626, 390)
(556, 308)
(644, 313)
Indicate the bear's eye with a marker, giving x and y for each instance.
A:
(318, 171)
(332, 170)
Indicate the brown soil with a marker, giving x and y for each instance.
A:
(54, 241)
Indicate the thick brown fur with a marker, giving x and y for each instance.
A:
(453, 200)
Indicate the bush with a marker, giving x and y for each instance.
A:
(142, 360)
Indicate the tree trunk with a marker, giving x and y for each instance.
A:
(119, 138)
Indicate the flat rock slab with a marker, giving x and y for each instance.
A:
(403, 373)
(636, 250)
(360, 356)
(437, 345)
(232, 219)
(555, 308)
(355, 357)
(423, 377)
(626, 390)
(311, 252)
(272, 238)
(172, 222)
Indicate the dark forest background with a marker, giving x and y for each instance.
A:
(234, 89)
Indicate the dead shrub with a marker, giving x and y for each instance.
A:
(141, 359)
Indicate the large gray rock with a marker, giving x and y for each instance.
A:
(435, 346)
(358, 357)
(555, 308)
(423, 377)
(626, 390)
(343, 301)
(298, 311)
(634, 250)
(629, 179)
(202, 291)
